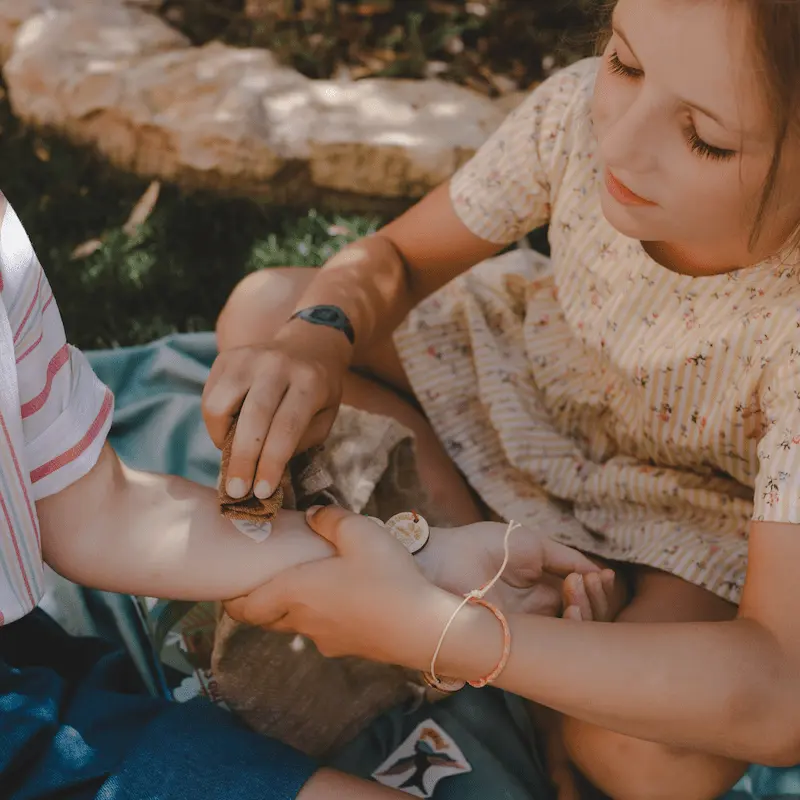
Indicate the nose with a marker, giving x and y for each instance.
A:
(629, 139)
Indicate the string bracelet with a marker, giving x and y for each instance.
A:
(476, 597)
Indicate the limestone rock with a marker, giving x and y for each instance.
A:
(13, 13)
(226, 119)
(70, 65)
(395, 138)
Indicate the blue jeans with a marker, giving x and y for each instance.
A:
(76, 723)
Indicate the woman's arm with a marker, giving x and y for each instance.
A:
(730, 688)
(379, 279)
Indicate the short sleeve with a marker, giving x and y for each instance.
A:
(777, 490)
(66, 411)
(507, 188)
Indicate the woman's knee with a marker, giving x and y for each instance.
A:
(625, 768)
(259, 304)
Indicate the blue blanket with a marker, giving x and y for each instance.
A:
(158, 427)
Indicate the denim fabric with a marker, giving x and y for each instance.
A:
(76, 723)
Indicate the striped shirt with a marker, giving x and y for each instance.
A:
(54, 414)
(630, 411)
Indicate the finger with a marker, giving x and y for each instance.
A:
(252, 428)
(317, 432)
(346, 530)
(562, 560)
(609, 580)
(224, 394)
(575, 595)
(544, 601)
(290, 422)
(235, 608)
(573, 613)
(269, 603)
(598, 599)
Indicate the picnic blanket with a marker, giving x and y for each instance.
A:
(158, 427)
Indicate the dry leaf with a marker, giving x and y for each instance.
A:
(86, 249)
(143, 208)
(42, 153)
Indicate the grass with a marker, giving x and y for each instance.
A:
(175, 272)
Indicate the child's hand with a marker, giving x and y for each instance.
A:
(598, 597)
(462, 559)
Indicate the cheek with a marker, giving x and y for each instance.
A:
(713, 198)
(602, 104)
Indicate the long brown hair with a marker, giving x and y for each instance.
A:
(776, 27)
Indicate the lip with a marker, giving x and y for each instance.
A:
(622, 194)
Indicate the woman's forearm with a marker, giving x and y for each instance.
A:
(368, 281)
(379, 279)
(723, 688)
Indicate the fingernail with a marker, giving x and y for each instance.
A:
(310, 512)
(263, 490)
(236, 488)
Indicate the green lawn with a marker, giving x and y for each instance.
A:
(175, 272)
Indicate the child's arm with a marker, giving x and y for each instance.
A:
(505, 191)
(138, 533)
(127, 531)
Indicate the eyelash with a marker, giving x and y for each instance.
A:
(697, 145)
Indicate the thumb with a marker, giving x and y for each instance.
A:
(345, 530)
(268, 603)
(558, 559)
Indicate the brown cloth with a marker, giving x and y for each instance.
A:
(279, 684)
(249, 508)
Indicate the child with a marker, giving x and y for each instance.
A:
(636, 397)
(71, 721)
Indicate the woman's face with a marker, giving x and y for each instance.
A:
(686, 137)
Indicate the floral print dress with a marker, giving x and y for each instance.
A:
(632, 412)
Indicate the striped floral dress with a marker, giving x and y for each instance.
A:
(630, 411)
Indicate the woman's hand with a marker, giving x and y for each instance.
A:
(370, 600)
(286, 393)
(459, 560)
(374, 600)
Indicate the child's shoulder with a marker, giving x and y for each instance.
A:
(564, 98)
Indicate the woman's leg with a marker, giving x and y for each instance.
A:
(631, 769)
(261, 303)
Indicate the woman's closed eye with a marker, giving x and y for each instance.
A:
(697, 145)
(706, 150)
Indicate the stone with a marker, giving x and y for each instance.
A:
(13, 13)
(395, 138)
(68, 66)
(110, 75)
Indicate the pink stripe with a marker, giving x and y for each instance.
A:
(16, 550)
(31, 348)
(41, 335)
(74, 452)
(30, 307)
(37, 403)
(31, 515)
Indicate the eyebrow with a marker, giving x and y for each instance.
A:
(619, 32)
